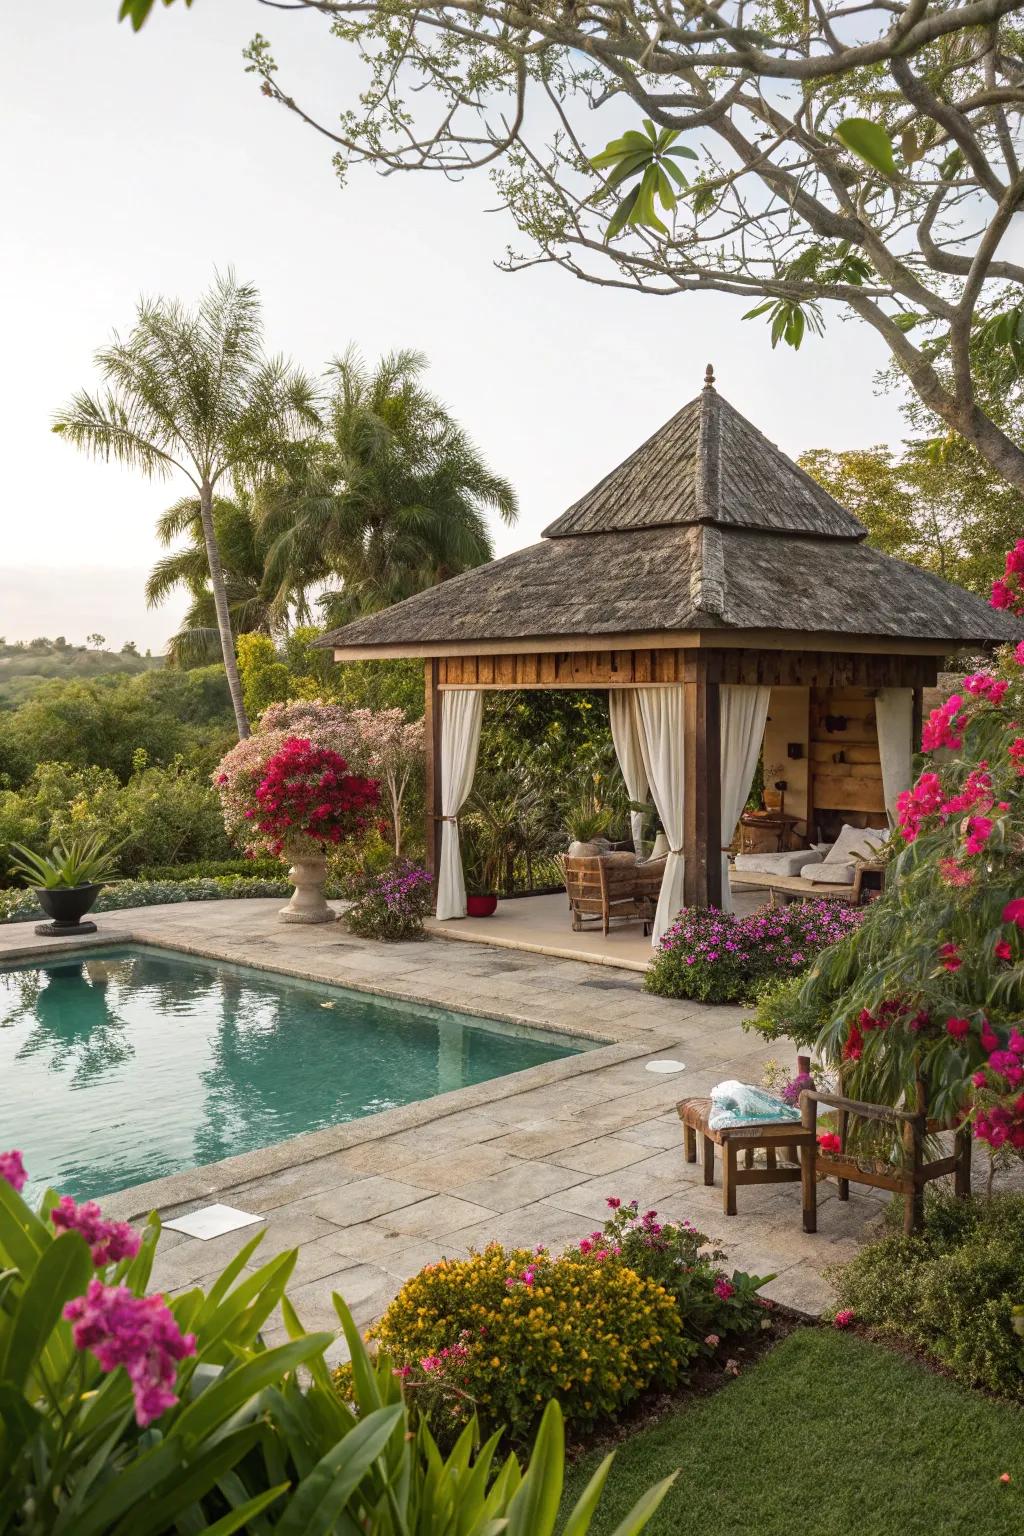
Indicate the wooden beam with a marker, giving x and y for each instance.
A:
(754, 640)
(702, 779)
(432, 775)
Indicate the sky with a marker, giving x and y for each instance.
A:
(137, 163)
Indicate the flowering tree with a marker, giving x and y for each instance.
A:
(934, 978)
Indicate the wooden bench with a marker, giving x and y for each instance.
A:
(868, 876)
(771, 1136)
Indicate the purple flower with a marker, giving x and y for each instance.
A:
(12, 1168)
(110, 1241)
(138, 1332)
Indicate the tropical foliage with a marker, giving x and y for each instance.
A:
(191, 392)
(126, 1414)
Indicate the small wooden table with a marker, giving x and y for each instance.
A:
(771, 1136)
(779, 822)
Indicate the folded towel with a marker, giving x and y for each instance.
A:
(735, 1104)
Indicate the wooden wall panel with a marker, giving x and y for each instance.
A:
(630, 668)
(846, 768)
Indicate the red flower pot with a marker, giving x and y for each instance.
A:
(481, 906)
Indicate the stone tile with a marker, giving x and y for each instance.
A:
(362, 1200)
(590, 1199)
(188, 1262)
(356, 1285)
(526, 1226)
(437, 1216)
(449, 1169)
(604, 1155)
(520, 1185)
(531, 1142)
(661, 1134)
(276, 1189)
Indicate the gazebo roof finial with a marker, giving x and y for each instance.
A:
(709, 376)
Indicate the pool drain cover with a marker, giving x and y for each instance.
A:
(665, 1066)
(212, 1221)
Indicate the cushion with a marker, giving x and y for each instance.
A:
(831, 872)
(776, 863)
(856, 843)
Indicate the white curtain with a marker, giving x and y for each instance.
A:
(461, 713)
(660, 717)
(894, 715)
(744, 712)
(626, 734)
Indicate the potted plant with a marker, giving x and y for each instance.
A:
(481, 867)
(585, 820)
(68, 880)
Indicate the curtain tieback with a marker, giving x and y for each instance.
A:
(677, 851)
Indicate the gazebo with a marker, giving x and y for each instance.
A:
(726, 602)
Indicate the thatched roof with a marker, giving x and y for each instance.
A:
(707, 526)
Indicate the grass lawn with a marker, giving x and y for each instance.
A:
(827, 1435)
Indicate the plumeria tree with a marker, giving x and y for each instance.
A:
(809, 160)
(934, 978)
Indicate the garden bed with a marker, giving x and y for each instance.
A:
(827, 1432)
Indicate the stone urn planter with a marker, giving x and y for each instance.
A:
(307, 904)
(66, 905)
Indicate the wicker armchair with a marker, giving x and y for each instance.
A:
(612, 885)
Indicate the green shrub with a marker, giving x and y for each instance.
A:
(128, 1415)
(950, 1291)
(18, 906)
(789, 1010)
(210, 869)
(502, 1332)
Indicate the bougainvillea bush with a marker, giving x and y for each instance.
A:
(127, 1414)
(716, 957)
(935, 975)
(392, 905)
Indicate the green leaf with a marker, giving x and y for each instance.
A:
(156, 1514)
(578, 1523)
(62, 1273)
(620, 217)
(644, 1508)
(534, 1505)
(122, 1493)
(685, 151)
(762, 309)
(317, 1503)
(23, 1237)
(869, 142)
(234, 1388)
(244, 1512)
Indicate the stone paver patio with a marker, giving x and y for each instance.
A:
(525, 1159)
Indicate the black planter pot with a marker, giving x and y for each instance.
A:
(67, 905)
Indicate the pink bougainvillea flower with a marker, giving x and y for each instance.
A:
(1016, 1042)
(1002, 950)
(12, 1168)
(1013, 912)
(844, 1318)
(984, 686)
(958, 1028)
(138, 1332)
(944, 726)
(989, 1038)
(1002, 594)
(979, 830)
(828, 1141)
(955, 873)
(979, 1079)
(613, 1202)
(1018, 654)
(109, 1241)
(724, 1289)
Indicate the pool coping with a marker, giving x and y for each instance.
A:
(208, 1181)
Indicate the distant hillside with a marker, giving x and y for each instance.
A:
(24, 666)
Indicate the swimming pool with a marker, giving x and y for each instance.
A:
(127, 1064)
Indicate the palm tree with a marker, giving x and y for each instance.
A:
(254, 604)
(192, 391)
(393, 500)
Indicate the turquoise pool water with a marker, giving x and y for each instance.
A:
(130, 1063)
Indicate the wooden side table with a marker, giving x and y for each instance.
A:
(779, 822)
(771, 1136)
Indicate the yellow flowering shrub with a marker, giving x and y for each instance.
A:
(501, 1332)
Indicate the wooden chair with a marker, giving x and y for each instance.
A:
(612, 886)
(772, 1136)
(908, 1179)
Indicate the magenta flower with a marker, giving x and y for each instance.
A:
(12, 1169)
(844, 1318)
(723, 1289)
(138, 1332)
(110, 1241)
(613, 1202)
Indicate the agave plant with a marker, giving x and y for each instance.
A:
(84, 860)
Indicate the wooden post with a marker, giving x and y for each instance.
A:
(917, 720)
(913, 1140)
(702, 775)
(432, 774)
(809, 1163)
